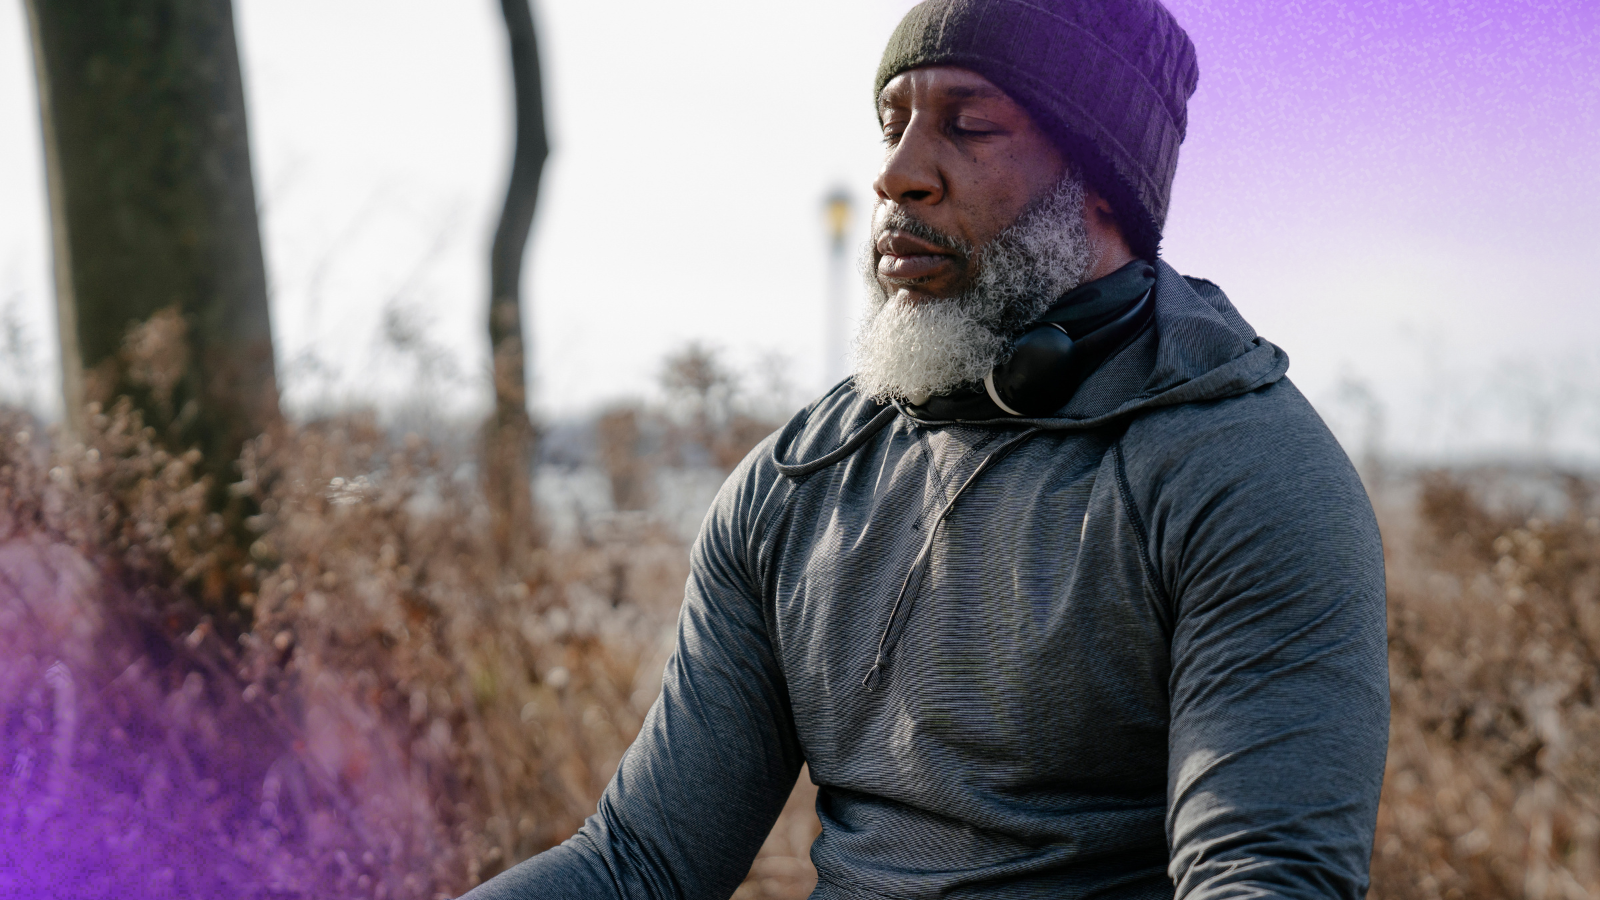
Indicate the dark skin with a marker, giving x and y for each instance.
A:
(966, 160)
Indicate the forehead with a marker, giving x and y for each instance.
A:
(940, 84)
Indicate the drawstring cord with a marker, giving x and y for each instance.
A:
(850, 446)
(901, 611)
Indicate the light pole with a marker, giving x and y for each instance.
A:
(836, 362)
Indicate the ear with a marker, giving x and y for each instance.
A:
(1111, 248)
(1099, 209)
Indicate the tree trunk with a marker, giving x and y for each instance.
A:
(160, 283)
(509, 434)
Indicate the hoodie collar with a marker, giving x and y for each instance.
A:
(1203, 350)
(1079, 312)
(1089, 306)
(1198, 349)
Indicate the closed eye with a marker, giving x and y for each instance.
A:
(968, 126)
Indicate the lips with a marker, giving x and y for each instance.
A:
(904, 257)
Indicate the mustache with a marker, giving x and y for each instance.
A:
(887, 219)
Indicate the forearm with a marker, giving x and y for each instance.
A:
(572, 871)
(715, 759)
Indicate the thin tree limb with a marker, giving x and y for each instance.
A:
(509, 435)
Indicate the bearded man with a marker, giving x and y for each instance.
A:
(1067, 592)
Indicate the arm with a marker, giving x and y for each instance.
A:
(1269, 554)
(697, 792)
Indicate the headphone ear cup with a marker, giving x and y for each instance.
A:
(1047, 366)
(1041, 375)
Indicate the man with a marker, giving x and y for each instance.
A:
(1068, 592)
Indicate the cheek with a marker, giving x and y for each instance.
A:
(992, 200)
(1005, 183)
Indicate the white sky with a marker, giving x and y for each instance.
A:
(693, 144)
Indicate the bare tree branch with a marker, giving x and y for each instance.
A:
(509, 434)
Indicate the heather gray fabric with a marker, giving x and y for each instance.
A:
(1148, 658)
(1110, 81)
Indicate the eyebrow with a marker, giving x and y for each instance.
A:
(979, 92)
(975, 93)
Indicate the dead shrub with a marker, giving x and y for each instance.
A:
(1493, 782)
(362, 700)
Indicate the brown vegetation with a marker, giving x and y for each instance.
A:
(364, 702)
(366, 699)
(1493, 783)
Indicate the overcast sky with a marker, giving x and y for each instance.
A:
(1404, 196)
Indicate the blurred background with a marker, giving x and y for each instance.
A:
(1403, 196)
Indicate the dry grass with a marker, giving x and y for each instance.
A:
(354, 696)
(1493, 783)
(362, 701)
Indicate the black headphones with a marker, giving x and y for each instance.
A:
(1047, 366)
(1055, 356)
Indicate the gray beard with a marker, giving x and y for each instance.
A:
(915, 351)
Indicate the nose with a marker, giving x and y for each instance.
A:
(910, 173)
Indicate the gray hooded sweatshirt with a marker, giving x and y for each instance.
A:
(1141, 655)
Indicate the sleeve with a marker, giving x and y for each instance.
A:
(1267, 548)
(696, 794)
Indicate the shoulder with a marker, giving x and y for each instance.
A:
(758, 486)
(1267, 449)
(1250, 490)
(1274, 424)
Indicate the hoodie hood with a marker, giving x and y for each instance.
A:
(1198, 349)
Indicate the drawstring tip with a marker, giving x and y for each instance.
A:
(874, 674)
